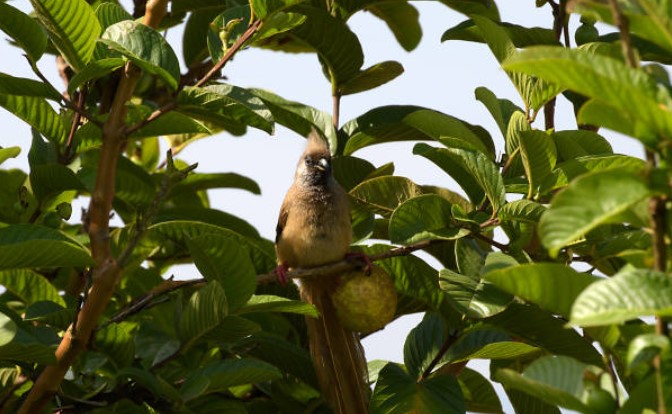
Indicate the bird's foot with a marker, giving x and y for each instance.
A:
(281, 273)
(362, 258)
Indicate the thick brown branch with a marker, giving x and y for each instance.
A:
(106, 271)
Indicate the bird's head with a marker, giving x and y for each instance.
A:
(314, 166)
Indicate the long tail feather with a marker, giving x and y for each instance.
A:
(337, 354)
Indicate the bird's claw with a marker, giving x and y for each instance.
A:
(281, 273)
(361, 257)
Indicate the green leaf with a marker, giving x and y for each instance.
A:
(270, 303)
(578, 143)
(172, 123)
(299, 117)
(425, 217)
(520, 36)
(521, 210)
(27, 348)
(200, 182)
(350, 171)
(47, 180)
(50, 313)
(472, 296)
(194, 40)
(535, 92)
(265, 8)
(398, 393)
(206, 309)
(28, 245)
(72, 26)
(557, 380)
(29, 286)
(146, 48)
(210, 216)
(223, 260)
(37, 113)
(500, 350)
(8, 329)
(423, 344)
(487, 8)
(12, 85)
(478, 392)
(644, 347)
(539, 156)
(551, 286)
(402, 18)
(7, 153)
(541, 329)
(569, 217)
(384, 194)
(179, 231)
(500, 109)
(116, 340)
(413, 123)
(631, 93)
(573, 168)
(94, 70)
(629, 294)
(372, 77)
(111, 13)
(473, 171)
(25, 31)
(221, 375)
(337, 46)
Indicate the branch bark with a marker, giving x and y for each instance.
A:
(106, 271)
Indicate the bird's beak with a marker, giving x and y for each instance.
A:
(322, 164)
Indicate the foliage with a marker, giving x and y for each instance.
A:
(571, 310)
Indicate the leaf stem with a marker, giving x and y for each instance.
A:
(623, 25)
(450, 340)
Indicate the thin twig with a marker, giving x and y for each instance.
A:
(152, 117)
(495, 243)
(609, 362)
(76, 121)
(230, 52)
(623, 25)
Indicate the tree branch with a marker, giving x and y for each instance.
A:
(450, 340)
(623, 25)
(106, 271)
(230, 52)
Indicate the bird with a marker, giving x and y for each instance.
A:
(314, 229)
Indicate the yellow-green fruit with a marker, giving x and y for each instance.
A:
(365, 303)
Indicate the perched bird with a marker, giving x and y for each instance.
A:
(314, 229)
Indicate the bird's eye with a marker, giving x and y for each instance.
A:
(308, 160)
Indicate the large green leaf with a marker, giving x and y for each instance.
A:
(487, 8)
(72, 26)
(413, 123)
(425, 217)
(116, 340)
(372, 77)
(223, 260)
(29, 286)
(47, 180)
(210, 216)
(551, 286)
(521, 210)
(172, 123)
(205, 310)
(573, 168)
(221, 375)
(25, 245)
(25, 31)
(37, 113)
(519, 35)
(473, 171)
(541, 329)
(200, 182)
(500, 109)
(479, 394)
(539, 156)
(263, 9)
(111, 13)
(423, 344)
(270, 303)
(27, 348)
(13, 85)
(94, 70)
(630, 294)
(397, 392)
(572, 144)
(145, 47)
(403, 20)
(489, 344)
(472, 296)
(534, 91)
(337, 46)
(554, 379)
(225, 104)
(299, 117)
(194, 39)
(632, 93)
(570, 217)
(384, 194)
